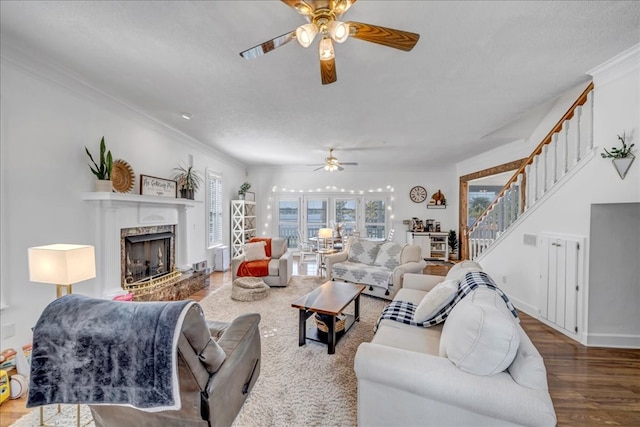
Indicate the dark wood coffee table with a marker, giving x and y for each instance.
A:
(331, 299)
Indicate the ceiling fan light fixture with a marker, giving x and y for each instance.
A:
(341, 6)
(306, 33)
(303, 8)
(338, 30)
(325, 48)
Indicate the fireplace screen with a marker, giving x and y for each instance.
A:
(147, 256)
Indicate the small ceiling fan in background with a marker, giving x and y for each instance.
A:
(332, 164)
(323, 19)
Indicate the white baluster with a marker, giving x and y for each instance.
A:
(545, 175)
(590, 101)
(527, 192)
(567, 124)
(578, 116)
(554, 141)
(535, 182)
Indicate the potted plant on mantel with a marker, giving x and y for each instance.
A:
(188, 180)
(622, 158)
(243, 190)
(103, 171)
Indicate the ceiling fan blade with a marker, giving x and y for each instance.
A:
(302, 7)
(340, 168)
(328, 71)
(268, 46)
(317, 169)
(349, 163)
(389, 37)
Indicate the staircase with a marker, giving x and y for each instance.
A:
(561, 150)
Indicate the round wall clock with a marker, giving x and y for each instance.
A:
(418, 194)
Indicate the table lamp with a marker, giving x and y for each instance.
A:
(326, 234)
(62, 264)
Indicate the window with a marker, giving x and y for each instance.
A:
(308, 213)
(317, 213)
(375, 217)
(288, 220)
(346, 214)
(214, 203)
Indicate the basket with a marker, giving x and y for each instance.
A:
(322, 319)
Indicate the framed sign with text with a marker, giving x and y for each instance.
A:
(152, 186)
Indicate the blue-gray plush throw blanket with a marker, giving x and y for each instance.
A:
(403, 311)
(95, 351)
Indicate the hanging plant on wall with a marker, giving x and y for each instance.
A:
(622, 158)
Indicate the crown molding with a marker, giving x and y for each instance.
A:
(74, 84)
(616, 67)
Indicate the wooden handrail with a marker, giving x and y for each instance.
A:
(582, 99)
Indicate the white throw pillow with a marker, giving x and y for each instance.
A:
(254, 251)
(480, 336)
(441, 294)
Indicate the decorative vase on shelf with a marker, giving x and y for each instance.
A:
(240, 196)
(104, 186)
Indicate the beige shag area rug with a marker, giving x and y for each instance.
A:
(298, 386)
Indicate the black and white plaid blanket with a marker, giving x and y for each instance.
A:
(403, 311)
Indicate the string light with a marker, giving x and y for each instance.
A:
(329, 190)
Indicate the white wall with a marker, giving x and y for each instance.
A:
(433, 179)
(567, 209)
(47, 120)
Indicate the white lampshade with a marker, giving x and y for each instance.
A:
(339, 31)
(325, 49)
(306, 33)
(62, 264)
(325, 233)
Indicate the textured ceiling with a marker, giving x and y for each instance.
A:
(478, 68)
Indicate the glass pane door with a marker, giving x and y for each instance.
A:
(346, 215)
(375, 218)
(288, 220)
(317, 216)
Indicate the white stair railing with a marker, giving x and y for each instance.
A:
(563, 148)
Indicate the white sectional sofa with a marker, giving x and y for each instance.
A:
(478, 368)
(379, 265)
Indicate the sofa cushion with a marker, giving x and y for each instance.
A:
(278, 247)
(389, 255)
(434, 300)
(254, 251)
(458, 271)
(364, 251)
(407, 337)
(480, 335)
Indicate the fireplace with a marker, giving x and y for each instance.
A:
(146, 253)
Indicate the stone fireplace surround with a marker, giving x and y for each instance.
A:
(114, 212)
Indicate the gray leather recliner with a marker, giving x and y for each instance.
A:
(207, 399)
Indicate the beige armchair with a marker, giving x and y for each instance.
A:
(280, 265)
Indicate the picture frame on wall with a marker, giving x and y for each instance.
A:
(250, 196)
(154, 186)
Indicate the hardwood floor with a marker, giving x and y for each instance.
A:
(588, 386)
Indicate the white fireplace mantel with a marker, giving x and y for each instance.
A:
(115, 211)
(137, 199)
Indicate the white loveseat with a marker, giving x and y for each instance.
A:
(379, 265)
(479, 368)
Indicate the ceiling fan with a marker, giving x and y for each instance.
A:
(332, 164)
(323, 19)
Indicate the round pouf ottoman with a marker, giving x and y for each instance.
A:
(249, 289)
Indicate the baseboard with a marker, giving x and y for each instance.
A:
(529, 309)
(613, 340)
